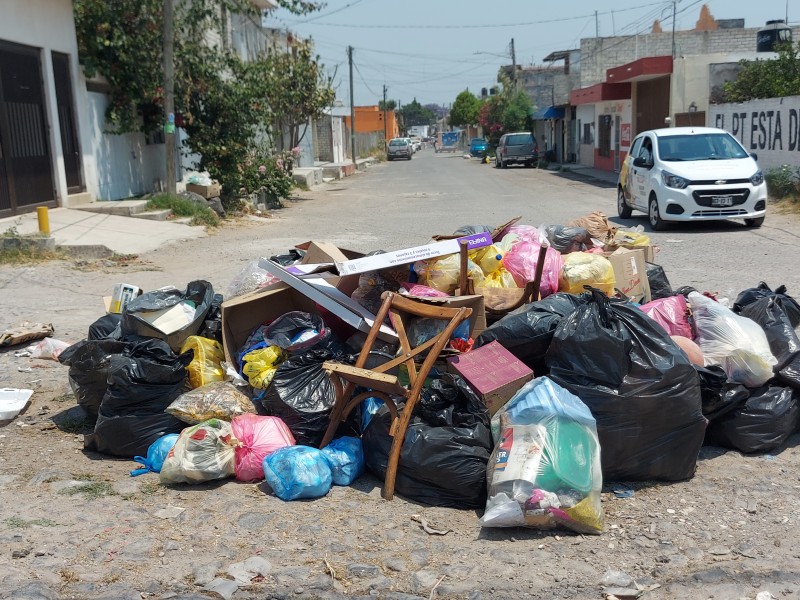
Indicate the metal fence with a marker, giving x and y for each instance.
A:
(366, 143)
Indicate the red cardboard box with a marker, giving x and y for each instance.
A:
(493, 372)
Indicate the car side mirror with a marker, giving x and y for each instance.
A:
(640, 161)
(754, 156)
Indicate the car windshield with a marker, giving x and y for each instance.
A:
(703, 146)
(519, 139)
(398, 143)
(477, 141)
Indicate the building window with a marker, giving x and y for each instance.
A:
(587, 137)
(604, 148)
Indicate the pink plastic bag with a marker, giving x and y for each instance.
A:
(258, 437)
(521, 260)
(423, 291)
(671, 313)
(525, 233)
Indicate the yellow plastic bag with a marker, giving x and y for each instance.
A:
(499, 278)
(443, 273)
(583, 268)
(206, 364)
(260, 366)
(631, 239)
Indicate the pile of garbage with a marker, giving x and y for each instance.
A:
(608, 373)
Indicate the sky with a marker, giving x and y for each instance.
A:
(433, 49)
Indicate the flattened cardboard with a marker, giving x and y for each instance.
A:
(492, 372)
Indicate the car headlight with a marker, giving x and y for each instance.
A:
(673, 181)
(758, 178)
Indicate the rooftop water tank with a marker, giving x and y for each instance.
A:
(775, 32)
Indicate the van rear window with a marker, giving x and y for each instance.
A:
(519, 139)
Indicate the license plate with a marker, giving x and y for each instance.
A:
(721, 200)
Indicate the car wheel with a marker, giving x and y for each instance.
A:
(503, 164)
(388, 159)
(623, 210)
(656, 222)
(755, 223)
(497, 162)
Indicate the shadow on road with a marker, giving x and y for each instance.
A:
(587, 179)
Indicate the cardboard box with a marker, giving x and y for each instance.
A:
(206, 191)
(493, 372)
(630, 273)
(409, 255)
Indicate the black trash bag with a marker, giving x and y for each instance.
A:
(685, 291)
(789, 305)
(106, 327)
(89, 362)
(212, 326)
(373, 283)
(717, 395)
(659, 284)
(527, 333)
(142, 382)
(201, 293)
(762, 423)
(783, 341)
(447, 446)
(291, 257)
(298, 331)
(302, 395)
(639, 385)
(568, 239)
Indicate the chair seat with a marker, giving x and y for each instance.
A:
(382, 382)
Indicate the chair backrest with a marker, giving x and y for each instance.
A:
(400, 308)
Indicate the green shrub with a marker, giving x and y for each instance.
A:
(783, 182)
(183, 207)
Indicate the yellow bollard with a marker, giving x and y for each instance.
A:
(44, 220)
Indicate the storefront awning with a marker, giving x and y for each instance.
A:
(641, 70)
(551, 112)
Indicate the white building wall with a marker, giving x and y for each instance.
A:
(50, 26)
(584, 114)
(768, 127)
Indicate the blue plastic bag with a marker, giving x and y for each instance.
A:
(369, 408)
(346, 458)
(156, 454)
(296, 472)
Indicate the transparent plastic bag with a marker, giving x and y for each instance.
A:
(49, 348)
(297, 472)
(249, 279)
(736, 343)
(631, 238)
(206, 366)
(202, 453)
(545, 469)
(582, 268)
(217, 400)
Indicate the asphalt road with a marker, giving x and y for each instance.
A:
(402, 203)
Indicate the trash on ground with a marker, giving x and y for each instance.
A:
(26, 332)
(12, 402)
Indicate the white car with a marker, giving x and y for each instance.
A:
(417, 141)
(691, 174)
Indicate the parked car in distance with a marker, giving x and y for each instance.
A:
(478, 147)
(691, 174)
(517, 148)
(399, 148)
(416, 142)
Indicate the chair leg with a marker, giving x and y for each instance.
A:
(394, 452)
(336, 413)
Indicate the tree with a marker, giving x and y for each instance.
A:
(415, 114)
(465, 109)
(774, 78)
(437, 109)
(508, 110)
(390, 105)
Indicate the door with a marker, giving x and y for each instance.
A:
(617, 122)
(641, 175)
(26, 170)
(66, 123)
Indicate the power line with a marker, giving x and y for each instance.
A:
(327, 14)
(355, 64)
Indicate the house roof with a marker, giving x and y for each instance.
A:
(557, 55)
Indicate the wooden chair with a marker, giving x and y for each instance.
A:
(384, 385)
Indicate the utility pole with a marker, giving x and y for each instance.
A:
(674, 14)
(513, 65)
(352, 107)
(596, 25)
(169, 98)
(385, 135)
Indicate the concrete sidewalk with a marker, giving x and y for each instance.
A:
(86, 233)
(598, 174)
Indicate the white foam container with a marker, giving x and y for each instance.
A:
(12, 402)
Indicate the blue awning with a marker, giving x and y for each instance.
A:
(551, 112)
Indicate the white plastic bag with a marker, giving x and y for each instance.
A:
(736, 343)
(202, 453)
(49, 348)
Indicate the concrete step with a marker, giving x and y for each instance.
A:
(154, 215)
(121, 208)
(76, 200)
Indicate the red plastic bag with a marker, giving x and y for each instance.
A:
(258, 437)
(521, 261)
(672, 314)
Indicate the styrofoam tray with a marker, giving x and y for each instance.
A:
(12, 402)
